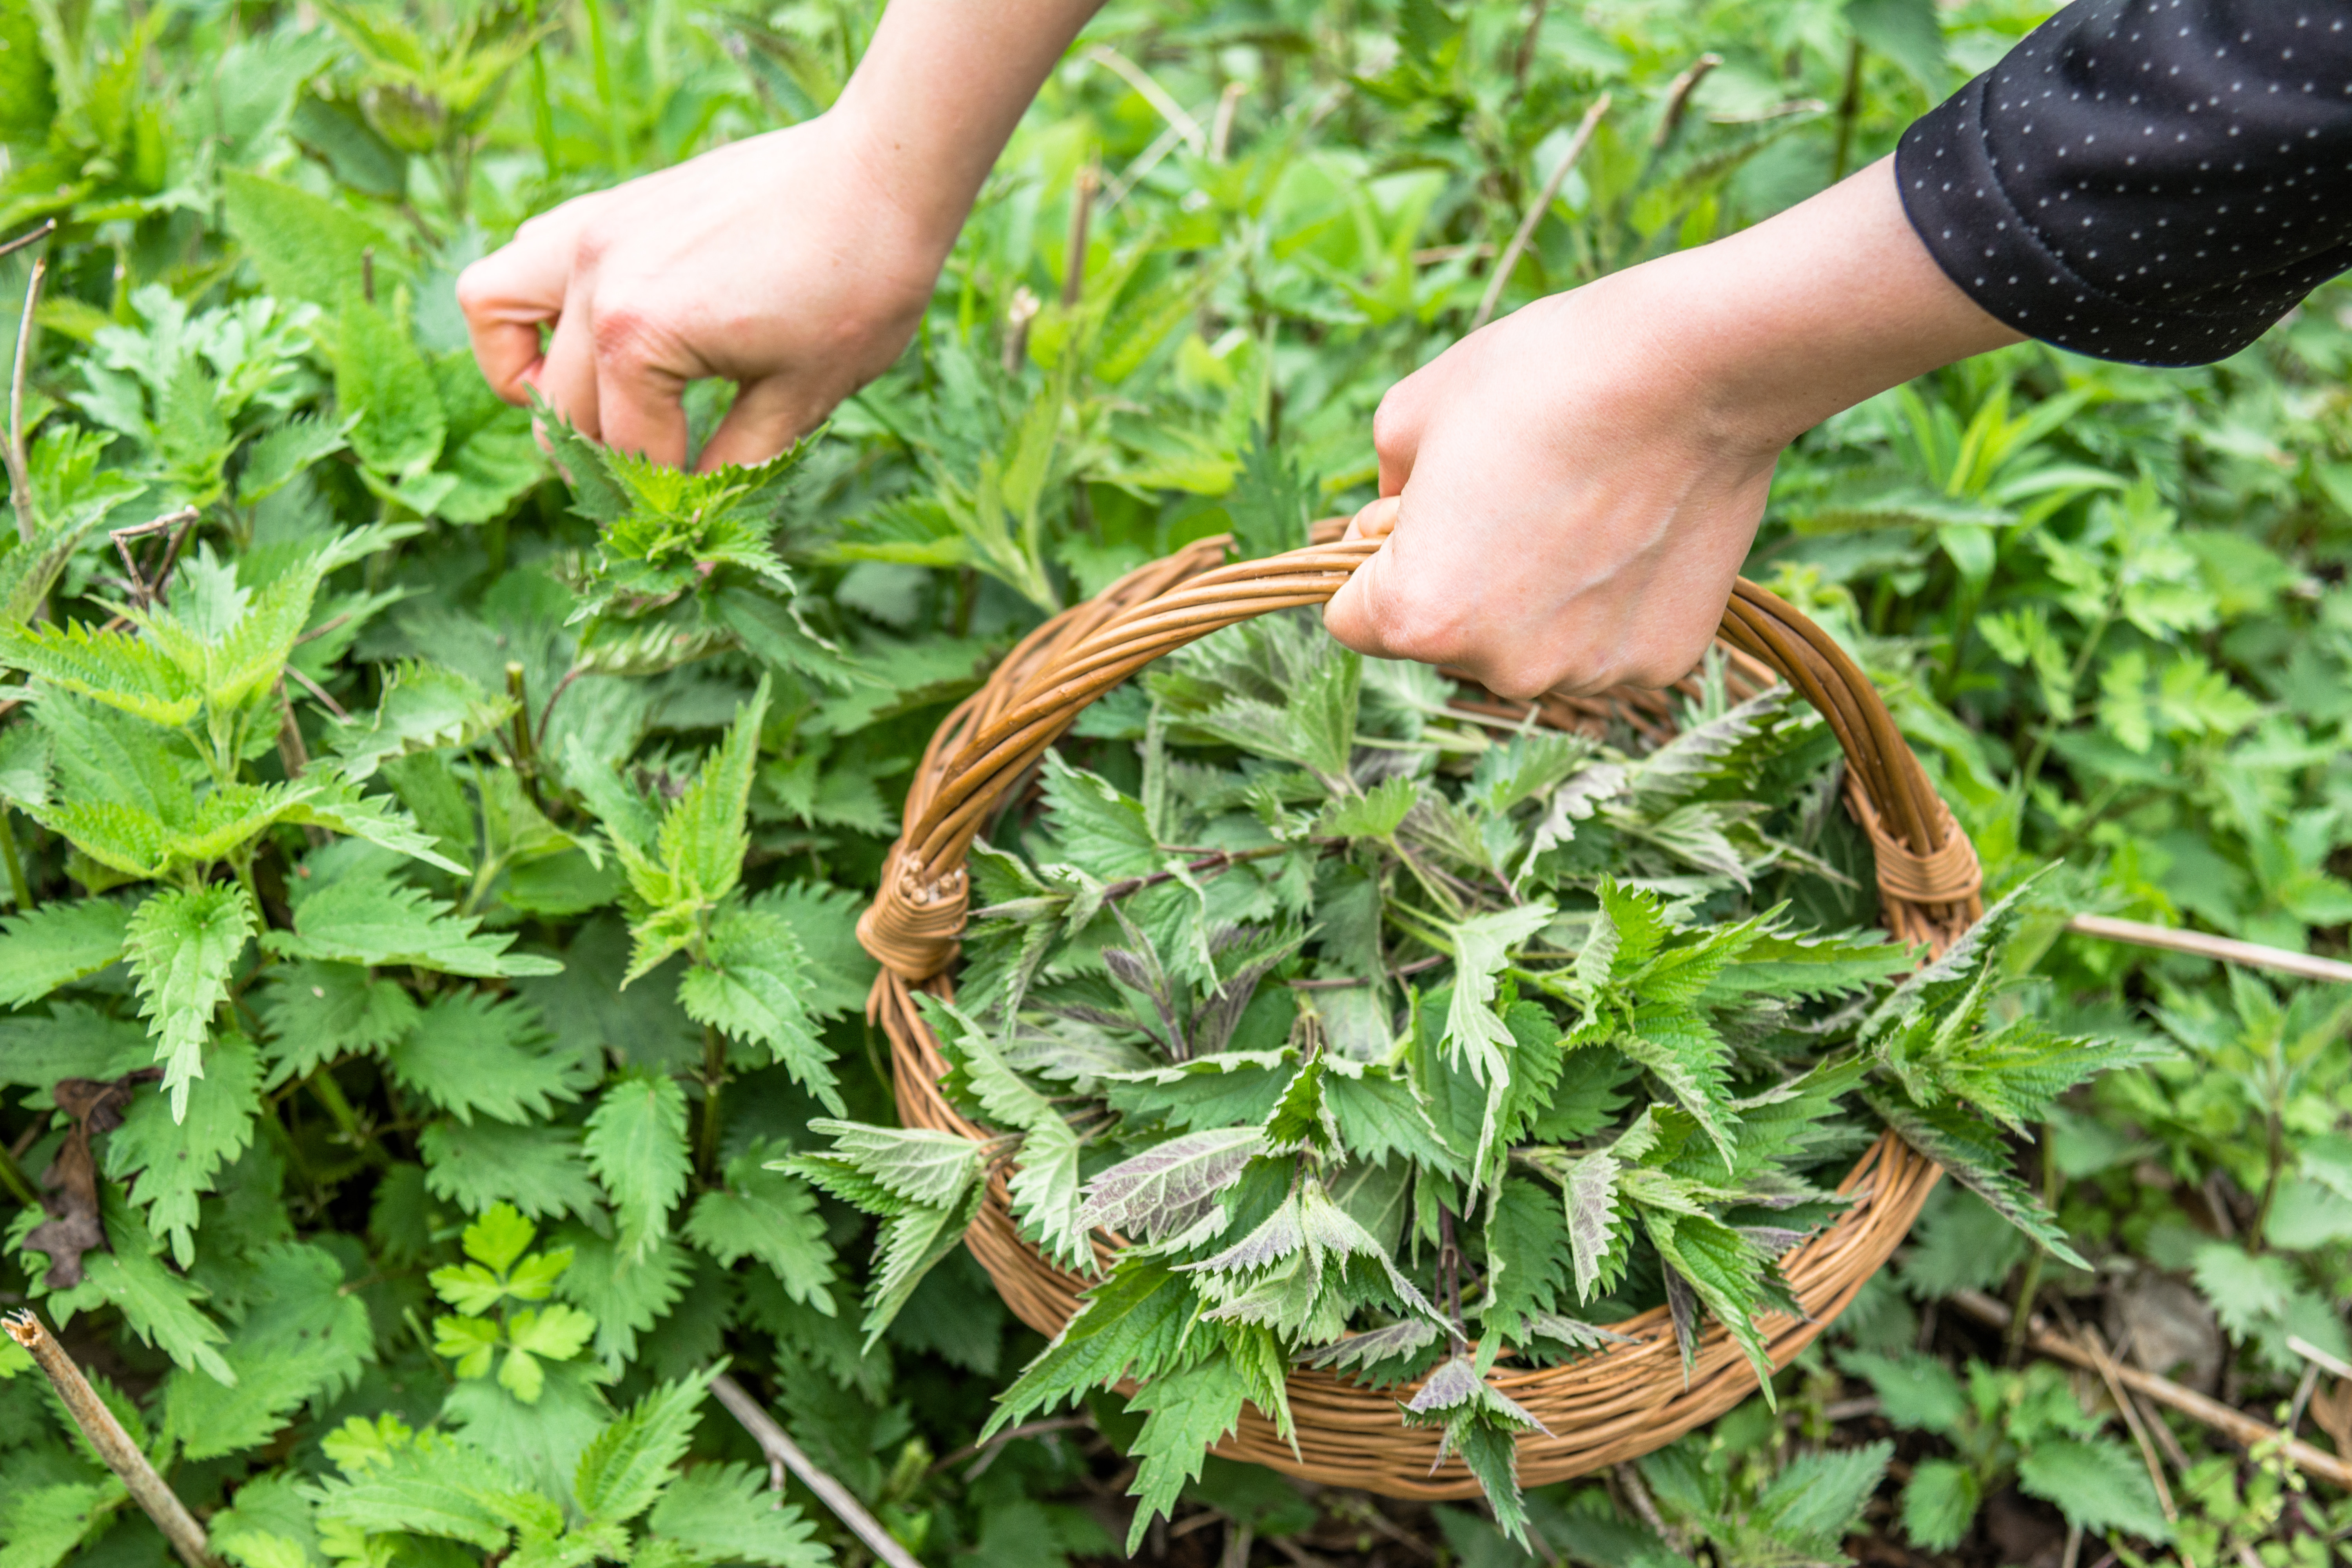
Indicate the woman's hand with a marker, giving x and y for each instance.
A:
(1568, 494)
(784, 263)
(796, 264)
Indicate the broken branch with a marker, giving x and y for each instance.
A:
(1536, 210)
(2234, 1424)
(782, 1450)
(2226, 949)
(113, 1444)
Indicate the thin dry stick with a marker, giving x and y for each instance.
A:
(319, 691)
(996, 1445)
(2311, 1352)
(1082, 207)
(34, 236)
(2233, 1423)
(1536, 210)
(113, 1444)
(1678, 97)
(2228, 949)
(2129, 1407)
(1221, 129)
(20, 473)
(1154, 94)
(782, 1450)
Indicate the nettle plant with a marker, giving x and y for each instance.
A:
(357, 884)
(1401, 1041)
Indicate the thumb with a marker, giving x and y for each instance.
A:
(1362, 612)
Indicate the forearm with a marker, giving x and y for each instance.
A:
(1776, 328)
(941, 88)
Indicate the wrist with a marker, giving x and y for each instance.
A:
(910, 191)
(1811, 312)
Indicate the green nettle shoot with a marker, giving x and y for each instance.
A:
(1402, 1042)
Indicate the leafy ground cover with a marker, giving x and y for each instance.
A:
(353, 762)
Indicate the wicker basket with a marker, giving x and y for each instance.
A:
(1605, 1407)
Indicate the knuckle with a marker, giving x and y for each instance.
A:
(592, 244)
(474, 288)
(1391, 424)
(623, 329)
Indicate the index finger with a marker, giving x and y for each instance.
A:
(508, 294)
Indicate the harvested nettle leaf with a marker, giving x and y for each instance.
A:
(1410, 1043)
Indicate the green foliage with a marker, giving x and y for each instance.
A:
(346, 797)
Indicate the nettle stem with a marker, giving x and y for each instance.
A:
(714, 1075)
(17, 886)
(1449, 1273)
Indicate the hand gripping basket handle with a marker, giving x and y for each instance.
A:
(1927, 869)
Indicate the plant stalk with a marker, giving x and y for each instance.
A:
(1849, 109)
(20, 472)
(113, 1444)
(1082, 207)
(714, 1077)
(13, 1177)
(18, 887)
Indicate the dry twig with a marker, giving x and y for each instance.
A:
(2129, 1407)
(113, 1444)
(1536, 210)
(2227, 950)
(20, 473)
(2231, 1422)
(784, 1453)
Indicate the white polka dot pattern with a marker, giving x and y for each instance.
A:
(2157, 181)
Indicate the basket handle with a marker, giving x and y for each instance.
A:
(1928, 873)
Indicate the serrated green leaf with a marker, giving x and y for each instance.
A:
(469, 1051)
(182, 947)
(57, 944)
(1185, 1414)
(371, 920)
(314, 1012)
(723, 1514)
(382, 382)
(302, 1335)
(771, 1215)
(749, 987)
(304, 246)
(629, 1465)
(637, 1145)
(175, 1150)
(2097, 1483)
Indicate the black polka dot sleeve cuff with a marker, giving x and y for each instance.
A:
(2157, 181)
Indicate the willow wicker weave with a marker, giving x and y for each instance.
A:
(1605, 1407)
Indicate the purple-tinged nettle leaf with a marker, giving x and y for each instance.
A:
(1221, 1012)
(918, 1163)
(1454, 1383)
(1400, 1338)
(1590, 1194)
(1682, 1304)
(1169, 1186)
(1771, 1240)
(1278, 1236)
(1575, 1332)
(1330, 1228)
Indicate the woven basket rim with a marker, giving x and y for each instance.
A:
(1600, 1408)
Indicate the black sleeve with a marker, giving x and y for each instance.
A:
(2148, 180)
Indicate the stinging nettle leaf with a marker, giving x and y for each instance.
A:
(182, 947)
